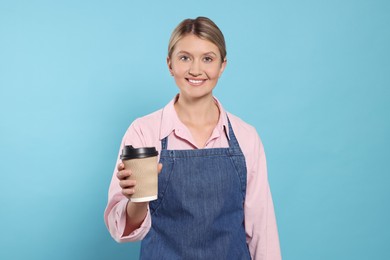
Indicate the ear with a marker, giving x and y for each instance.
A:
(169, 64)
(223, 66)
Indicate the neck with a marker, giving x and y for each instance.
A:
(196, 112)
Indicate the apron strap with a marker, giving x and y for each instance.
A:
(164, 143)
(233, 143)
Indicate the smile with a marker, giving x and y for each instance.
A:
(196, 82)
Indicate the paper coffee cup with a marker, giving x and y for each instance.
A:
(143, 165)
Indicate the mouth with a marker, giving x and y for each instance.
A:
(196, 82)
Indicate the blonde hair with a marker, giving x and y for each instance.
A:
(201, 27)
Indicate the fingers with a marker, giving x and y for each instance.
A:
(127, 187)
(123, 174)
(120, 166)
(127, 184)
(128, 192)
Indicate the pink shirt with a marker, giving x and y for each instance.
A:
(260, 222)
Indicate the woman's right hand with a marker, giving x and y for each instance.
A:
(127, 185)
(136, 211)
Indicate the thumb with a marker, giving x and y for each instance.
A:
(159, 167)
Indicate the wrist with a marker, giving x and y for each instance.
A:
(135, 208)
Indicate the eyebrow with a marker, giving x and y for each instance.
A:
(211, 53)
(207, 53)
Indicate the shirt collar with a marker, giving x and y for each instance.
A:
(170, 121)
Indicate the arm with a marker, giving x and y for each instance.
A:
(260, 221)
(136, 212)
(126, 221)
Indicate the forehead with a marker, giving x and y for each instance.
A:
(193, 44)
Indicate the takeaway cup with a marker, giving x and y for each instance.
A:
(143, 164)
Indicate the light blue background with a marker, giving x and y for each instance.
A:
(312, 76)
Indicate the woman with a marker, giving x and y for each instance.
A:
(214, 200)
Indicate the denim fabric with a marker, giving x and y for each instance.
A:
(199, 211)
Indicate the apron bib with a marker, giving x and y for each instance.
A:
(199, 213)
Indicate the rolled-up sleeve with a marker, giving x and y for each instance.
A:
(115, 219)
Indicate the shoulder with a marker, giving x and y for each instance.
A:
(250, 144)
(144, 131)
(240, 125)
(149, 120)
(246, 134)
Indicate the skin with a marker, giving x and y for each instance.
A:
(196, 66)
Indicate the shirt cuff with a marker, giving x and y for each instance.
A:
(137, 234)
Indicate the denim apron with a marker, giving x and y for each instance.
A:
(199, 213)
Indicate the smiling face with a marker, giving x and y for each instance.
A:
(196, 65)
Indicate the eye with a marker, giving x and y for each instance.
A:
(207, 59)
(184, 58)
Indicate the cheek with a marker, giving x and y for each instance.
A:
(179, 74)
(180, 70)
(214, 73)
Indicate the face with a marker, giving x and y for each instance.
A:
(196, 66)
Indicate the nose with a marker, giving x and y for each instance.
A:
(195, 69)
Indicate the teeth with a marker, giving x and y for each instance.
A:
(195, 81)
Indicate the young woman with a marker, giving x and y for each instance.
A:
(214, 200)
